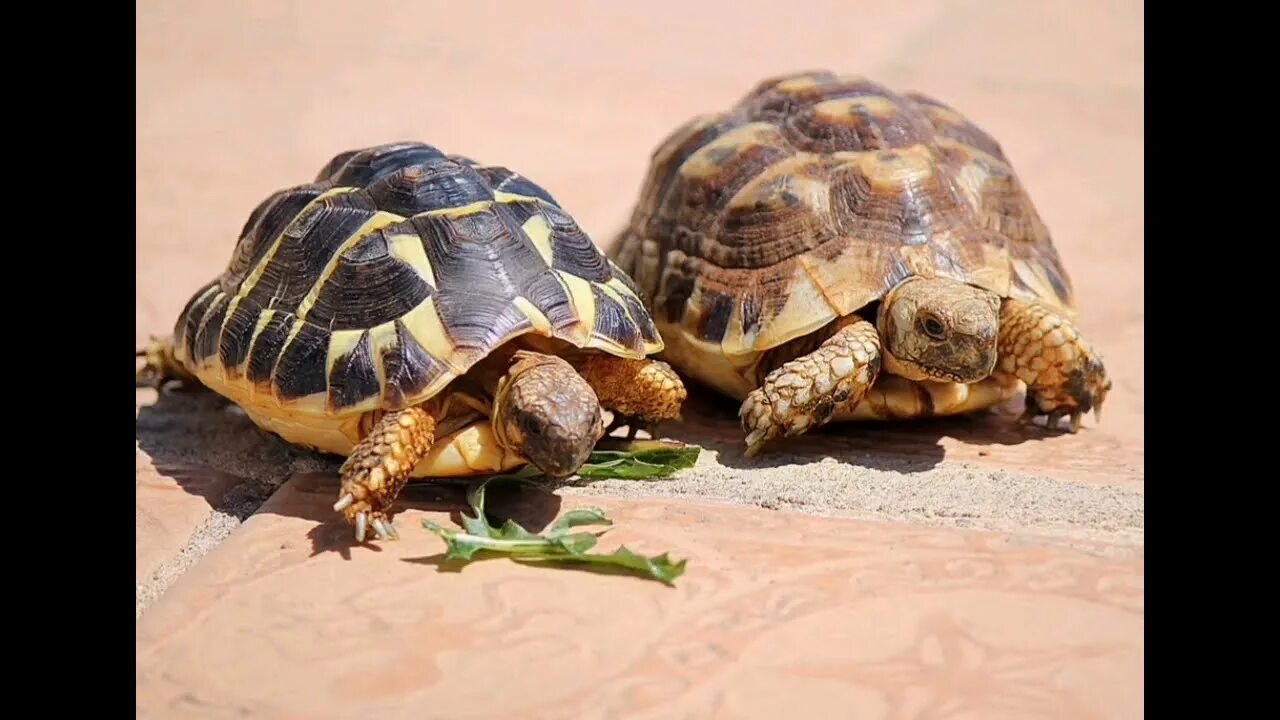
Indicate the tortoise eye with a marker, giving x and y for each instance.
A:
(933, 327)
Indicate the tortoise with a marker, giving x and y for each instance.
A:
(424, 315)
(828, 249)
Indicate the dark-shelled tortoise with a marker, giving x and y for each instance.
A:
(426, 316)
(828, 249)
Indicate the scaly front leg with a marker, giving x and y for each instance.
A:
(379, 467)
(641, 393)
(1063, 373)
(804, 393)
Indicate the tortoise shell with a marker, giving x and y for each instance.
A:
(392, 274)
(810, 199)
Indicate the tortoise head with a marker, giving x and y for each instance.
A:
(547, 413)
(939, 329)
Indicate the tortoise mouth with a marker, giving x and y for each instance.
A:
(940, 374)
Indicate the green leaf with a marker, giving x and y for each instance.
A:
(477, 525)
(575, 544)
(510, 530)
(558, 544)
(574, 518)
(659, 568)
(464, 545)
(640, 459)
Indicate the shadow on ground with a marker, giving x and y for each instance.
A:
(898, 446)
(183, 429)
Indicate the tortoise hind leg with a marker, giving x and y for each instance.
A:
(641, 393)
(1064, 374)
(379, 466)
(159, 365)
(806, 392)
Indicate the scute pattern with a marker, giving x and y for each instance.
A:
(574, 251)
(368, 281)
(267, 346)
(813, 196)
(612, 320)
(300, 370)
(353, 377)
(264, 225)
(302, 252)
(409, 369)
(392, 273)
(415, 189)
(483, 263)
(503, 180)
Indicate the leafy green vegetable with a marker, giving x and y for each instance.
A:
(558, 544)
(640, 459)
(659, 567)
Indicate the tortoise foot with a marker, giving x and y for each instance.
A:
(379, 467)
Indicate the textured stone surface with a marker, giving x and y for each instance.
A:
(779, 613)
(169, 504)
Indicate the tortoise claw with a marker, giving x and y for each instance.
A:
(344, 503)
(384, 529)
(364, 521)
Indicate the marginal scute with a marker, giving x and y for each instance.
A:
(184, 331)
(675, 288)
(300, 371)
(613, 323)
(237, 335)
(717, 309)
(206, 342)
(267, 346)
(409, 369)
(648, 333)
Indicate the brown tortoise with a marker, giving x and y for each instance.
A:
(829, 249)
